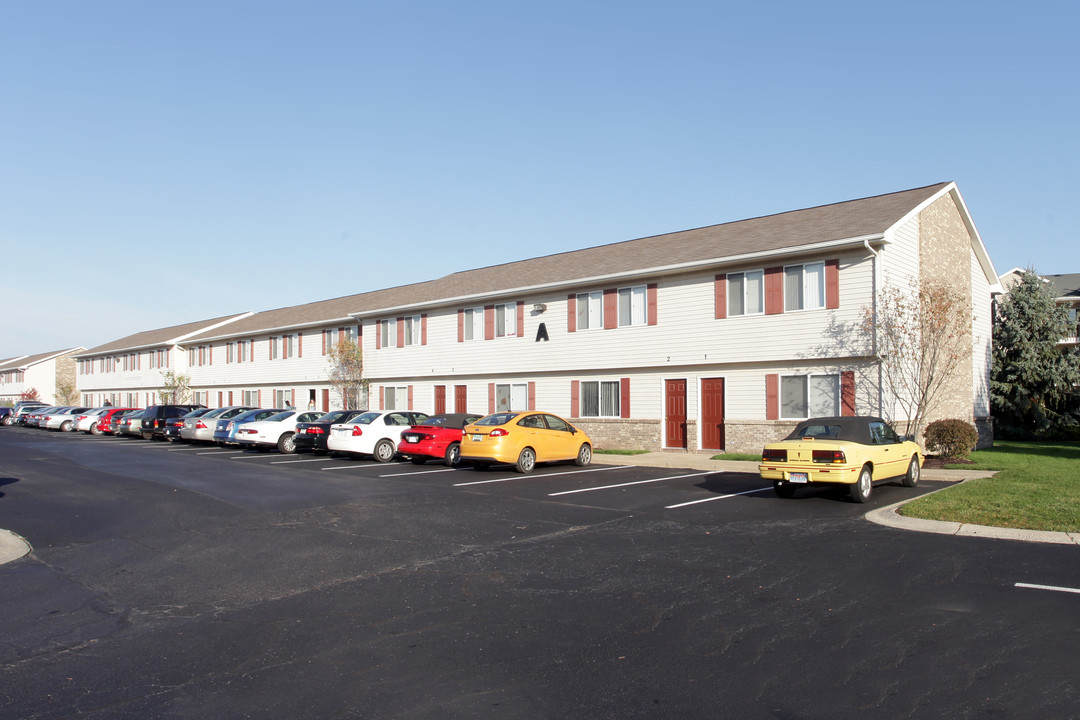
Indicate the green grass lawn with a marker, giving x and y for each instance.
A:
(1037, 487)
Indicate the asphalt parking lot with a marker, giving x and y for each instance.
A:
(171, 581)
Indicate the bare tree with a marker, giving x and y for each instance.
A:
(346, 361)
(922, 335)
(66, 393)
(175, 389)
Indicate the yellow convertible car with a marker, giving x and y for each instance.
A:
(524, 439)
(853, 451)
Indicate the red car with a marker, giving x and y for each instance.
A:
(438, 437)
(103, 426)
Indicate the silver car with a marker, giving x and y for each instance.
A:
(63, 420)
(201, 429)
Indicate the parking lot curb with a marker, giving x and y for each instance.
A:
(12, 547)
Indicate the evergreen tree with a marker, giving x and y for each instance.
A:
(1032, 381)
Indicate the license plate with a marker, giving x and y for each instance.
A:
(798, 478)
(477, 438)
(411, 438)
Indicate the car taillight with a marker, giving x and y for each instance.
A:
(229, 427)
(200, 425)
(315, 431)
(81, 417)
(835, 457)
(356, 431)
(498, 432)
(773, 455)
(246, 431)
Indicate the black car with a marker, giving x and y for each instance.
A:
(154, 417)
(173, 425)
(312, 436)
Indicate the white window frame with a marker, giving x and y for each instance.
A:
(798, 287)
(230, 353)
(739, 298)
(473, 321)
(275, 347)
(633, 306)
(288, 346)
(282, 398)
(607, 396)
(511, 397)
(506, 320)
(388, 332)
(393, 394)
(413, 330)
(330, 337)
(251, 398)
(814, 403)
(590, 310)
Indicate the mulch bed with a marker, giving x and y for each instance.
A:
(940, 463)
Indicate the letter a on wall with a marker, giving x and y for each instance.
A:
(541, 333)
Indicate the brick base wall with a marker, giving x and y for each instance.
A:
(740, 437)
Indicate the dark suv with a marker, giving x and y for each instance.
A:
(154, 417)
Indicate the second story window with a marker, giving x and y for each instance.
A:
(388, 333)
(473, 323)
(590, 310)
(412, 330)
(746, 293)
(632, 306)
(804, 286)
(505, 319)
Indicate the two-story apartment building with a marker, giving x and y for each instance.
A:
(717, 338)
(40, 372)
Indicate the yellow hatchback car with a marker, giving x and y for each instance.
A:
(523, 439)
(853, 451)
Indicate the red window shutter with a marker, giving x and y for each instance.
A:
(167, 354)
(650, 294)
(299, 344)
(611, 308)
(410, 396)
(461, 325)
(378, 335)
(323, 333)
(772, 397)
(341, 335)
(401, 332)
(423, 331)
(847, 393)
(270, 348)
(774, 290)
(292, 398)
(219, 399)
(382, 395)
(624, 397)
(258, 398)
(832, 284)
(571, 313)
(520, 318)
(491, 398)
(720, 296)
(532, 395)
(211, 354)
(575, 394)
(489, 323)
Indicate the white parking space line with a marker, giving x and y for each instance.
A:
(1055, 588)
(347, 467)
(247, 455)
(220, 452)
(522, 477)
(420, 472)
(286, 462)
(183, 449)
(636, 482)
(717, 497)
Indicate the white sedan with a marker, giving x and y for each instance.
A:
(275, 431)
(63, 420)
(87, 421)
(377, 434)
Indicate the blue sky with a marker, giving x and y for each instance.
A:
(179, 161)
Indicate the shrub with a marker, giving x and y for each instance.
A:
(951, 438)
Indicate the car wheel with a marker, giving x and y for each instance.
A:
(452, 458)
(860, 491)
(783, 489)
(584, 455)
(147, 436)
(911, 479)
(384, 451)
(65, 426)
(285, 444)
(6, 420)
(418, 459)
(95, 430)
(526, 461)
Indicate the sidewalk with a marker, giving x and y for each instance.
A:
(12, 547)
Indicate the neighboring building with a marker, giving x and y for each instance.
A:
(130, 372)
(1066, 292)
(39, 372)
(718, 338)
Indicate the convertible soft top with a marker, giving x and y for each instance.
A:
(853, 429)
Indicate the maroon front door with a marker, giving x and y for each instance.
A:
(440, 399)
(675, 413)
(712, 414)
(461, 398)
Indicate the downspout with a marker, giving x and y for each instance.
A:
(874, 347)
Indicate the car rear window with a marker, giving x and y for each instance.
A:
(831, 432)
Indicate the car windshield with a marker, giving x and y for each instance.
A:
(365, 419)
(336, 416)
(497, 419)
(281, 416)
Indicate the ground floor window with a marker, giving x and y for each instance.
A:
(199, 397)
(251, 398)
(510, 397)
(396, 398)
(600, 398)
(282, 398)
(805, 396)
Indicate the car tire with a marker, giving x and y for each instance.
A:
(860, 491)
(526, 461)
(65, 426)
(418, 459)
(584, 455)
(147, 436)
(911, 479)
(452, 456)
(383, 451)
(95, 430)
(285, 444)
(783, 489)
(6, 420)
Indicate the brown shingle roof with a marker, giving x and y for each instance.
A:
(34, 359)
(161, 336)
(771, 233)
